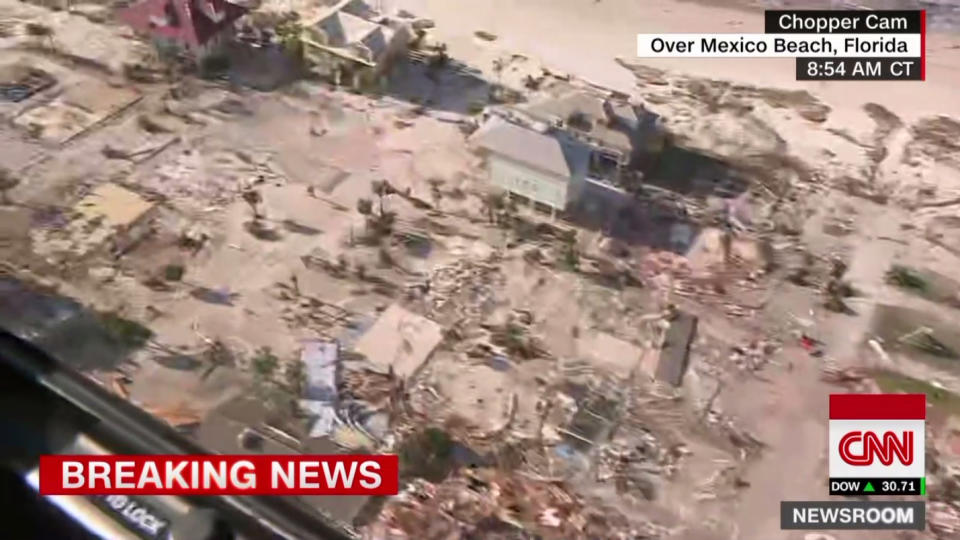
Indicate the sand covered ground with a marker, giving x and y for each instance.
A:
(585, 37)
(882, 155)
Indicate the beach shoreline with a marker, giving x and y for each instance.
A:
(586, 37)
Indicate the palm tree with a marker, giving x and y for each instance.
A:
(726, 243)
(364, 206)
(253, 198)
(498, 66)
(8, 181)
(493, 203)
(435, 192)
(381, 189)
(290, 34)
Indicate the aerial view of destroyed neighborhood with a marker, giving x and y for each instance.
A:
(582, 295)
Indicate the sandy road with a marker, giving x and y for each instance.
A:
(792, 468)
(868, 265)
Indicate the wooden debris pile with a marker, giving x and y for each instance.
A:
(465, 289)
(377, 390)
(489, 503)
(638, 465)
(754, 356)
(307, 312)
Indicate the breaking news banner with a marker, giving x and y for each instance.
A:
(877, 444)
(115, 475)
(827, 44)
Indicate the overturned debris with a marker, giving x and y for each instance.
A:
(489, 503)
(675, 352)
(320, 360)
(517, 341)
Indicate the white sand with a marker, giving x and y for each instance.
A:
(584, 36)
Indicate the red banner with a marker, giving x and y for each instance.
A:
(219, 475)
(878, 406)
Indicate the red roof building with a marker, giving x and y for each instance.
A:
(195, 25)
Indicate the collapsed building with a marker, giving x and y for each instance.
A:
(353, 44)
(197, 28)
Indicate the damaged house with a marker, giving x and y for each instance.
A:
(196, 28)
(578, 151)
(624, 135)
(548, 168)
(353, 45)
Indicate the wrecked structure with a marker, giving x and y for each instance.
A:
(675, 351)
(110, 218)
(18, 82)
(546, 168)
(593, 146)
(196, 28)
(353, 44)
(624, 135)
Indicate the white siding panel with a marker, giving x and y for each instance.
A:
(533, 184)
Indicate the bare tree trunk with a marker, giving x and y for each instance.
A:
(726, 241)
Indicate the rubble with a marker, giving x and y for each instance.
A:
(638, 465)
(516, 341)
(463, 290)
(532, 346)
(376, 390)
(754, 356)
(320, 399)
(488, 503)
(675, 349)
(844, 376)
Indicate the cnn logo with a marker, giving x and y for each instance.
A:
(877, 435)
(861, 448)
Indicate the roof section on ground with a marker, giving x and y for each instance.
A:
(117, 206)
(399, 340)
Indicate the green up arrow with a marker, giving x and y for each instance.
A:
(869, 488)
